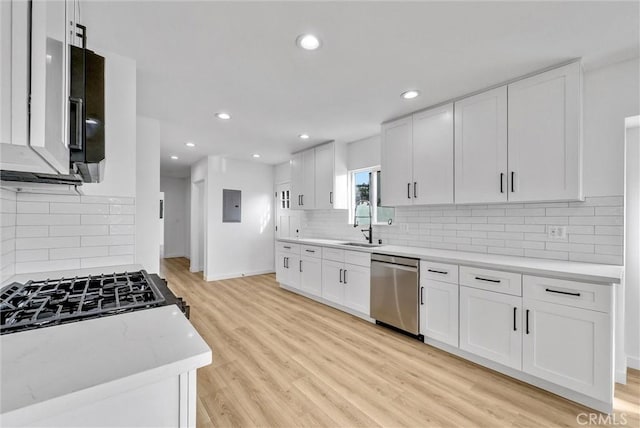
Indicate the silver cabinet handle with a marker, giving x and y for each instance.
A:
(344, 276)
(79, 122)
(441, 272)
(300, 265)
(287, 247)
(422, 295)
(331, 198)
(513, 175)
(310, 251)
(341, 275)
(415, 189)
(408, 190)
(502, 182)
(496, 281)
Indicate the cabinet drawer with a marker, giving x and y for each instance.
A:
(335, 254)
(492, 280)
(439, 271)
(358, 258)
(597, 297)
(287, 247)
(311, 251)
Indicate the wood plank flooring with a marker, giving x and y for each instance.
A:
(281, 360)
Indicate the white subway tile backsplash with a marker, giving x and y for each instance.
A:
(62, 208)
(91, 241)
(25, 207)
(32, 255)
(7, 246)
(42, 266)
(120, 250)
(7, 206)
(7, 219)
(47, 242)
(107, 200)
(594, 228)
(8, 232)
(33, 231)
(122, 209)
(77, 253)
(95, 219)
(120, 229)
(107, 261)
(121, 219)
(47, 219)
(45, 197)
(81, 230)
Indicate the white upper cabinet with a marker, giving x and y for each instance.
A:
(303, 180)
(417, 159)
(545, 159)
(433, 156)
(396, 175)
(331, 177)
(481, 147)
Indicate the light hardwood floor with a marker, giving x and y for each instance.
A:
(281, 360)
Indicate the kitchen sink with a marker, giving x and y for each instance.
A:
(362, 244)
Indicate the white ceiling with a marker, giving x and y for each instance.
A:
(198, 58)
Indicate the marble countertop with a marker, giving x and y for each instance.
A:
(591, 272)
(46, 371)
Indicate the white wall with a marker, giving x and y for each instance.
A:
(120, 129)
(7, 233)
(632, 247)
(176, 215)
(364, 153)
(611, 94)
(199, 174)
(245, 248)
(147, 188)
(282, 172)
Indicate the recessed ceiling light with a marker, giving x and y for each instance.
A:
(223, 116)
(304, 136)
(174, 157)
(308, 42)
(190, 144)
(255, 155)
(410, 94)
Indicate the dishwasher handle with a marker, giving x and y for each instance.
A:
(394, 266)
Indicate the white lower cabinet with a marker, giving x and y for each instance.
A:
(571, 347)
(357, 286)
(439, 311)
(490, 325)
(288, 269)
(332, 286)
(311, 275)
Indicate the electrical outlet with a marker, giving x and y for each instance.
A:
(557, 232)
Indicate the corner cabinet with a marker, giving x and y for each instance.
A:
(417, 158)
(545, 136)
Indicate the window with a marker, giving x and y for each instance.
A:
(365, 191)
(284, 199)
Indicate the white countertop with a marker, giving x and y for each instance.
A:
(48, 370)
(55, 274)
(607, 274)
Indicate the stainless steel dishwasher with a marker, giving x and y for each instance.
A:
(395, 290)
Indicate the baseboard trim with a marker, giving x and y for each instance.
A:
(173, 256)
(238, 275)
(633, 362)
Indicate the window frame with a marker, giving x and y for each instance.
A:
(373, 193)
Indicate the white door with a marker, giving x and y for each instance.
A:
(49, 83)
(396, 163)
(309, 187)
(281, 268)
(481, 147)
(545, 158)
(433, 156)
(283, 211)
(325, 175)
(311, 275)
(332, 285)
(439, 311)
(293, 271)
(570, 347)
(297, 180)
(357, 286)
(490, 326)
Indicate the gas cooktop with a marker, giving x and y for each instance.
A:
(55, 301)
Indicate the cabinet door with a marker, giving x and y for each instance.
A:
(325, 175)
(297, 181)
(332, 286)
(396, 176)
(433, 156)
(49, 83)
(570, 347)
(281, 268)
(481, 147)
(439, 311)
(545, 156)
(293, 271)
(490, 325)
(311, 275)
(357, 286)
(309, 172)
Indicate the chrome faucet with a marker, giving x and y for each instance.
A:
(368, 233)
